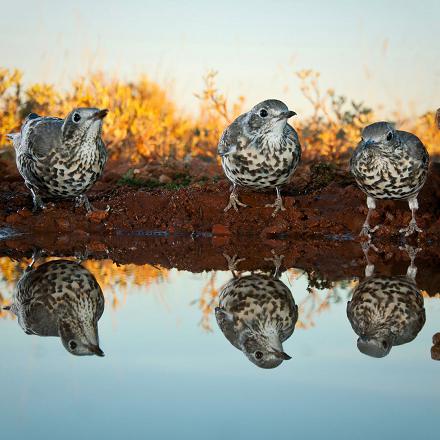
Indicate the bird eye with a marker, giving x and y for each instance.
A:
(263, 113)
(258, 355)
(384, 344)
(72, 345)
(389, 136)
(76, 117)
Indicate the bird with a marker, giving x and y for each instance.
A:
(61, 158)
(257, 313)
(60, 298)
(260, 151)
(386, 311)
(390, 164)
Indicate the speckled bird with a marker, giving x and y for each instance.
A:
(60, 298)
(61, 158)
(386, 311)
(257, 313)
(390, 164)
(260, 151)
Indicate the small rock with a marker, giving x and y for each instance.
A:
(97, 246)
(13, 218)
(218, 229)
(164, 179)
(97, 216)
(24, 213)
(63, 224)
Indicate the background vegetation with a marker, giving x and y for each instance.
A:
(145, 123)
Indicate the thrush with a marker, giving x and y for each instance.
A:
(386, 311)
(260, 151)
(61, 158)
(390, 164)
(257, 313)
(60, 298)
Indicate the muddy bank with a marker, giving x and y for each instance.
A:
(322, 199)
(324, 261)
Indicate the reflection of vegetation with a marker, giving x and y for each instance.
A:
(116, 281)
(113, 279)
(207, 301)
(143, 122)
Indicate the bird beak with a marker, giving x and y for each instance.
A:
(7, 308)
(287, 115)
(101, 114)
(96, 350)
(282, 355)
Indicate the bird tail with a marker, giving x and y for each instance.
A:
(12, 136)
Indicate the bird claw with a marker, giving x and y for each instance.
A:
(410, 250)
(233, 262)
(234, 203)
(367, 230)
(277, 260)
(410, 229)
(278, 205)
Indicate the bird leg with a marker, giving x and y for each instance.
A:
(37, 201)
(83, 200)
(412, 252)
(233, 200)
(369, 268)
(277, 260)
(412, 227)
(366, 229)
(278, 205)
(233, 263)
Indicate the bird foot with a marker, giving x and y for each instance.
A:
(234, 202)
(233, 262)
(278, 205)
(367, 230)
(411, 251)
(84, 201)
(277, 260)
(410, 229)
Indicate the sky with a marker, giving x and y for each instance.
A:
(385, 53)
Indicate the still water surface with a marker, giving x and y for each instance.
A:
(170, 372)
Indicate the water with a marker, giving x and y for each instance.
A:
(169, 372)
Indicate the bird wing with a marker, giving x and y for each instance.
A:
(291, 132)
(232, 138)
(40, 135)
(225, 321)
(415, 147)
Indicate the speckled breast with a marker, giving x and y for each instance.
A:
(261, 169)
(63, 177)
(391, 302)
(260, 297)
(400, 177)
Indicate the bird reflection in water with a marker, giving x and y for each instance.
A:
(257, 313)
(60, 298)
(385, 311)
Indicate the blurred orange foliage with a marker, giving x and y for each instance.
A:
(144, 123)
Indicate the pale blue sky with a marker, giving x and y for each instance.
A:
(162, 377)
(382, 52)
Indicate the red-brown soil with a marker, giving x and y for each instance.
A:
(322, 200)
(325, 261)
